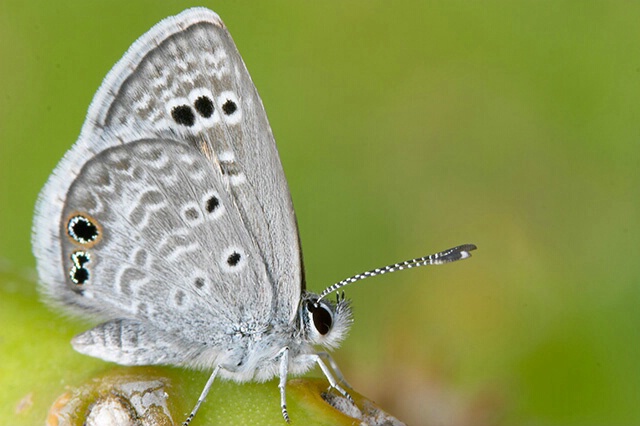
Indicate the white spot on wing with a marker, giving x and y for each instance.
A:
(143, 102)
(182, 250)
(226, 156)
(216, 62)
(238, 179)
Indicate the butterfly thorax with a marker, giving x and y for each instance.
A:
(253, 354)
(256, 356)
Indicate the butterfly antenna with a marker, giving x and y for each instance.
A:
(446, 256)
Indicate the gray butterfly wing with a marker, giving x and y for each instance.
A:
(123, 226)
(151, 235)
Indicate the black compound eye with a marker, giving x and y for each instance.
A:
(322, 319)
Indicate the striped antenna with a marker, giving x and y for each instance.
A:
(446, 256)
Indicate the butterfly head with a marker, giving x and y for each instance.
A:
(323, 322)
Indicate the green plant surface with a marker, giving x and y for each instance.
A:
(44, 380)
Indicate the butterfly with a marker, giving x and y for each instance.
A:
(170, 222)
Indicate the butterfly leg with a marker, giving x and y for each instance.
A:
(336, 370)
(202, 397)
(284, 369)
(327, 372)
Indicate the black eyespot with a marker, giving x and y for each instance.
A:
(199, 282)
(322, 319)
(79, 275)
(82, 230)
(80, 259)
(183, 114)
(204, 106)
(234, 258)
(229, 107)
(212, 204)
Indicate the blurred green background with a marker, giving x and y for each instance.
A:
(404, 128)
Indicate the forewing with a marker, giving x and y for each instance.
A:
(207, 97)
(176, 120)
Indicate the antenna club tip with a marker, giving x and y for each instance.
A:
(464, 250)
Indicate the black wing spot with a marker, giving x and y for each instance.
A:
(234, 259)
(229, 107)
(82, 229)
(183, 114)
(199, 282)
(79, 275)
(80, 259)
(212, 204)
(204, 106)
